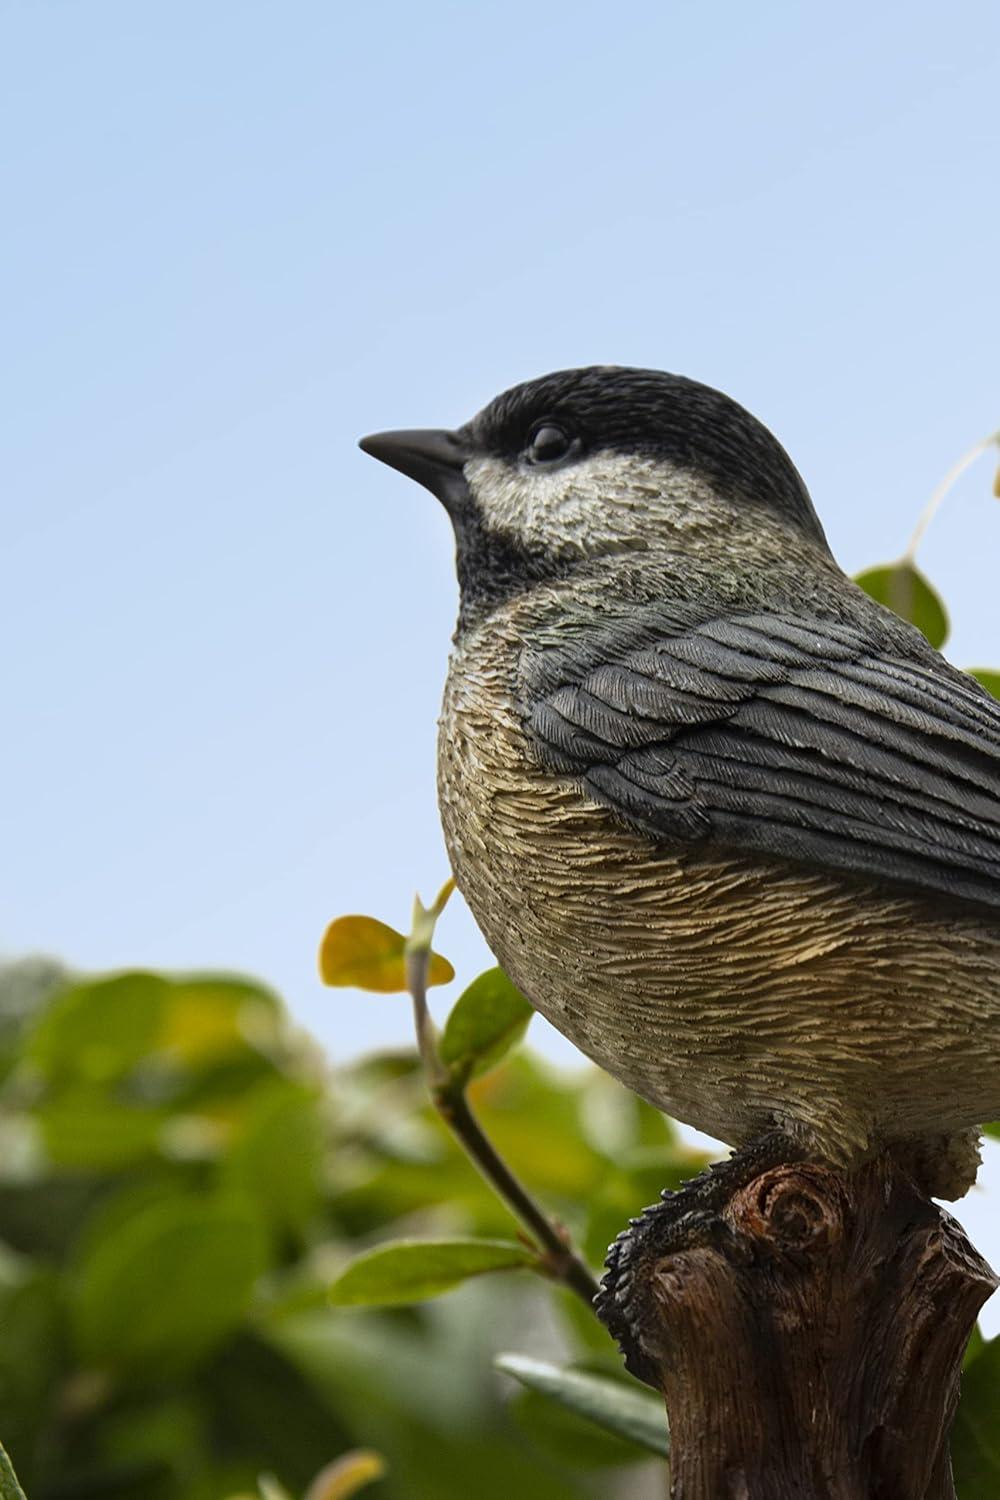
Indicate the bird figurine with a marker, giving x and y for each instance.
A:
(729, 824)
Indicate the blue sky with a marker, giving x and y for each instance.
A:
(237, 236)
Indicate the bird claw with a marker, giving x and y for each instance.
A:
(690, 1217)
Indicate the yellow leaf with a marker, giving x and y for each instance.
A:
(439, 970)
(369, 955)
(340, 1480)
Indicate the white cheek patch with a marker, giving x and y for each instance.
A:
(601, 504)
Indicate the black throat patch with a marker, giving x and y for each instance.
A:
(494, 567)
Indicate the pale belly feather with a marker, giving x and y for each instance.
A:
(733, 993)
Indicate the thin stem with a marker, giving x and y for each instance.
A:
(418, 957)
(423, 1024)
(448, 1095)
(560, 1257)
(931, 508)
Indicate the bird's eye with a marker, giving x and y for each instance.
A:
(548, 444)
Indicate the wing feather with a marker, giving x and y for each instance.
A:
(805, 739)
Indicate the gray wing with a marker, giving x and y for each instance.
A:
(808, 740)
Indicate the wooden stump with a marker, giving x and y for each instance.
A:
(808, 1342)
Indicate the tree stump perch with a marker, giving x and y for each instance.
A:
(806, 1329)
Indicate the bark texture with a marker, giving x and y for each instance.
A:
(808, 1342)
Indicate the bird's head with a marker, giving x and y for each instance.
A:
(591, 463)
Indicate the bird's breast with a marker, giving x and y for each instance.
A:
(724, 988)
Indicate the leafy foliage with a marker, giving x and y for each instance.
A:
(182, 1182)
(166, 1300)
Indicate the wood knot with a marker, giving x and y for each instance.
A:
(793, 1208)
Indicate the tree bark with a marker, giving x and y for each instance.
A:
(808, 1342)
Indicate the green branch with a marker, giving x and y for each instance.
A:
(447, 1089)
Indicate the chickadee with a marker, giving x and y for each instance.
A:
(733, 827)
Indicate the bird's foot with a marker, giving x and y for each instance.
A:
(686, 1219)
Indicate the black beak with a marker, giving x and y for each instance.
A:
(433, 458)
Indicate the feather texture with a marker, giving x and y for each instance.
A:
(799, 738)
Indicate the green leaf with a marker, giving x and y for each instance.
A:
(904, 589)
(992, 1129)
(84, 1128)
(277, 1160)
(366, 954)
(488, 1019)
(990, 679)
(574, 1440)
(628, 1411)
(975, 1437)
(9, 1487)
(414, 1270)
(98, 1031)
(168, 1285)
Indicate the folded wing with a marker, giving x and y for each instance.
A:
(803, 739)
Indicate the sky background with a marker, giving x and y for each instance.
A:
(237, 236)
